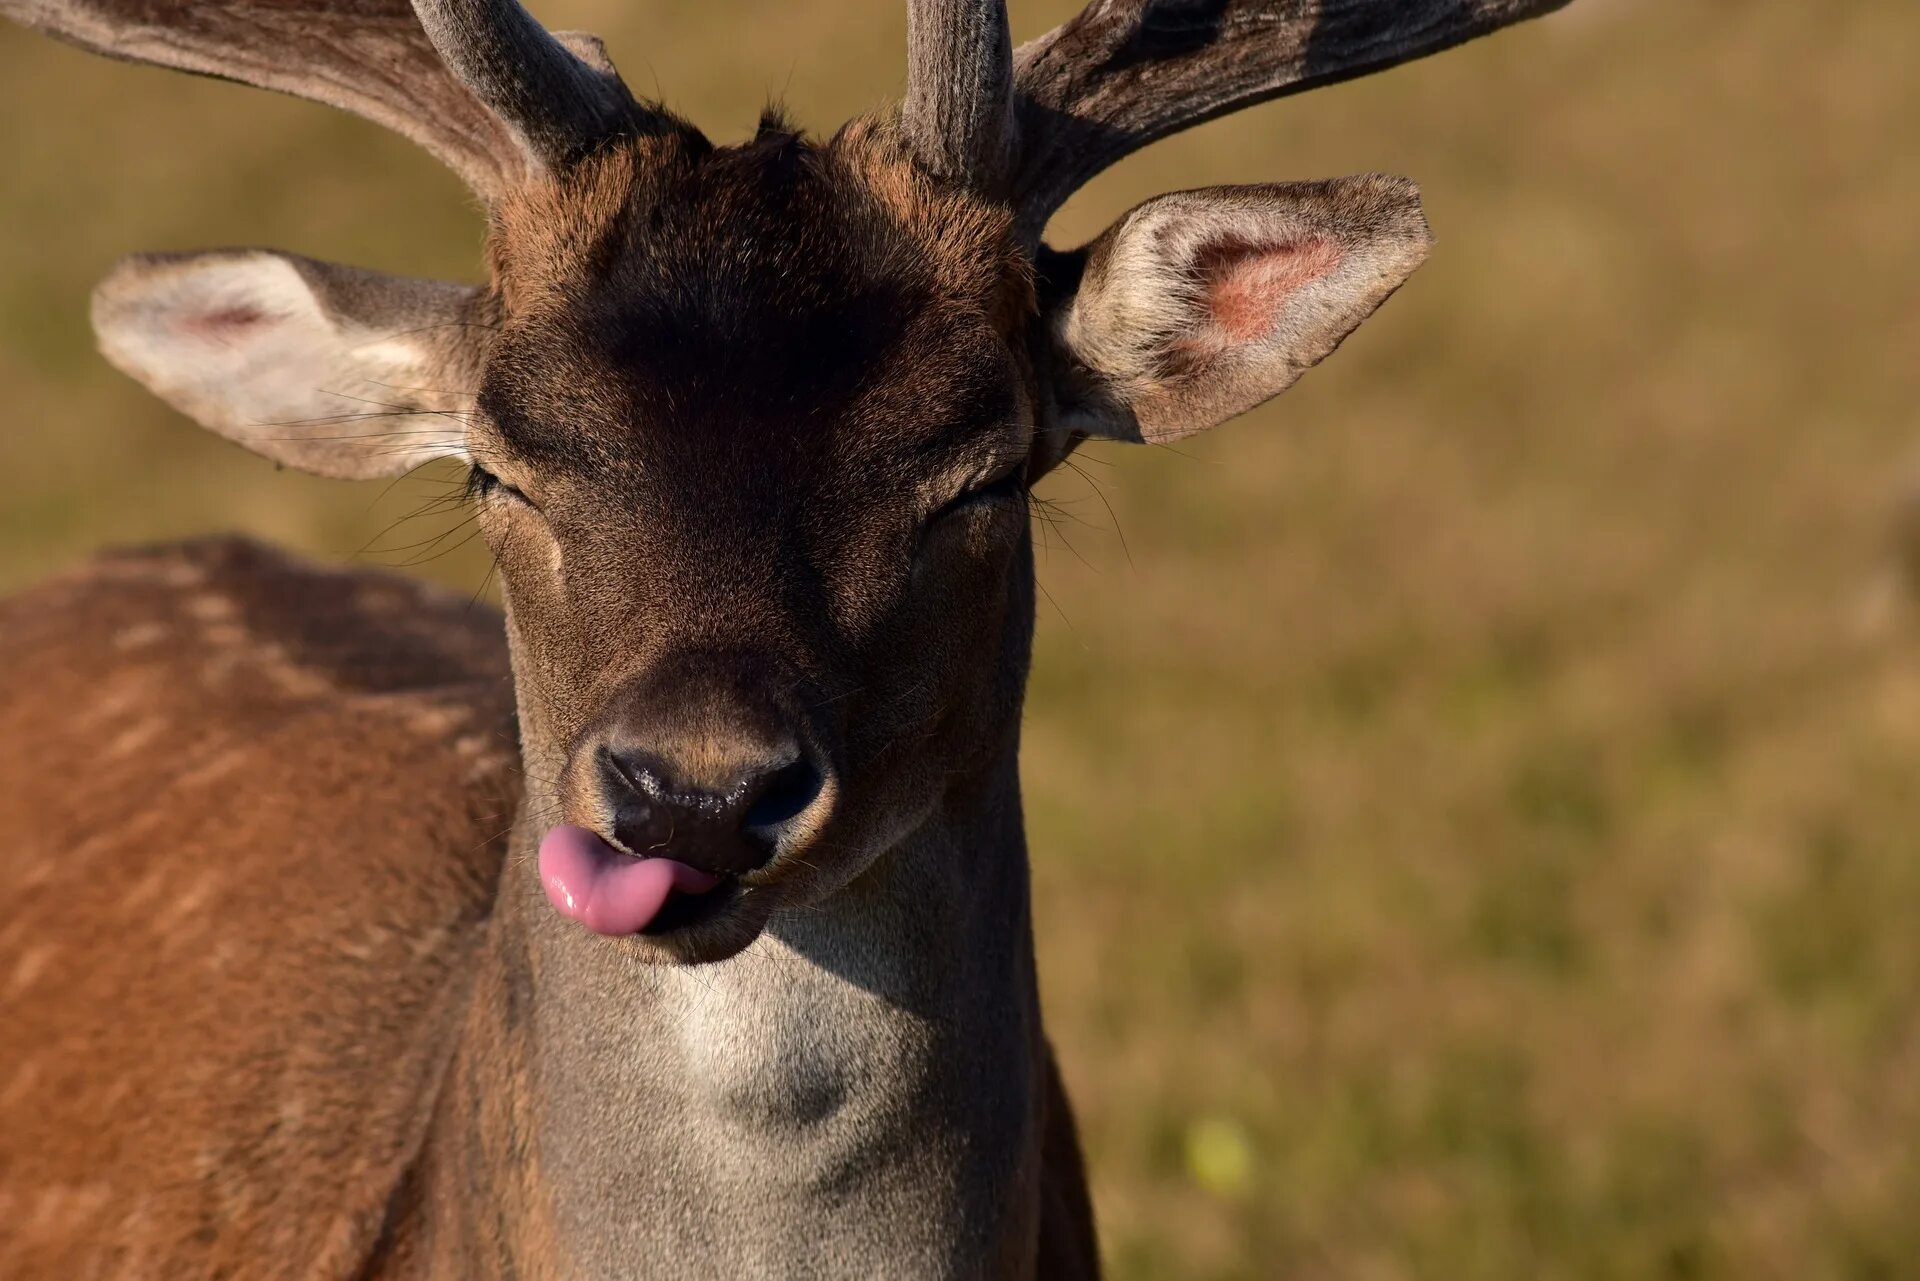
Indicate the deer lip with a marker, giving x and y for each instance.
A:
(589, 881)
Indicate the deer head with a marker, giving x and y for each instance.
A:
(752, 428)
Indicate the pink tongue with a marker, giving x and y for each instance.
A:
(591, 882)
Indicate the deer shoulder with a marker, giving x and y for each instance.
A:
(255, 812)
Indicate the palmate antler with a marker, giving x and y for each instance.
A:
(1036, 123)
(478, 83)
(481, 85)
(1126, 73)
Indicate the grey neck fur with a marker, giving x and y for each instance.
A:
(856, 1094)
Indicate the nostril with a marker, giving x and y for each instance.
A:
(629, 769)
(726, 826)
(787, 792)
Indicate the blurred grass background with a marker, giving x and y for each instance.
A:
(1474, 797)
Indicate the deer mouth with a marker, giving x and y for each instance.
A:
(613, 893)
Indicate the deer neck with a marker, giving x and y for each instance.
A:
(857, 1093)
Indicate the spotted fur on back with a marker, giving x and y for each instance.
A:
(255, 812)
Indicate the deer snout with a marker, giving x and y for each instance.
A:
(708, 759)
(728, 822)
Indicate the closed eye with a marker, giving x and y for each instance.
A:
(997, 494)
(483, 484)
(1009, 486)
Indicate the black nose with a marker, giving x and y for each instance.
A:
(731, 824)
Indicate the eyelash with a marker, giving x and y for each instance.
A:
(1010, 485)
(481, 483)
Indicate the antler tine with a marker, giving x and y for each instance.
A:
(1125, 73)
(480, 85)
(365, 56)
(959, 110)
(558, 104)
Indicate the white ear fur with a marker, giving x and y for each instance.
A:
(329, 369)
(1199, 305)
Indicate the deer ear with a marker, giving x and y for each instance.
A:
(328, 369)
(1199, 305)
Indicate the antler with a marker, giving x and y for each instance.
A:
(1125, 73)
(480, 85)
(958, 115)
(559, 105)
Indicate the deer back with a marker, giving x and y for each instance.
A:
(255, 812)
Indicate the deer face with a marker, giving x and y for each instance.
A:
(751, 448)
(751, 428)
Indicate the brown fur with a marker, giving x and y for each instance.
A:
(344, 744)
(752, 432)
(256, 811)
(677, 535)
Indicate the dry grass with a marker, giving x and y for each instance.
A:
(1475, 812)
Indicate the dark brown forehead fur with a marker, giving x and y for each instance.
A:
(739, 297)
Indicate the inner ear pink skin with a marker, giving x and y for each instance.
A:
(213, 324)
(1248, 283)
(589, 881)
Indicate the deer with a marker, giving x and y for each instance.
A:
(686, 933)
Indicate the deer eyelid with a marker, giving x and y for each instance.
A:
(483, 484)
(1000, 486)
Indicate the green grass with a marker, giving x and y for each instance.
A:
(1474, 811)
